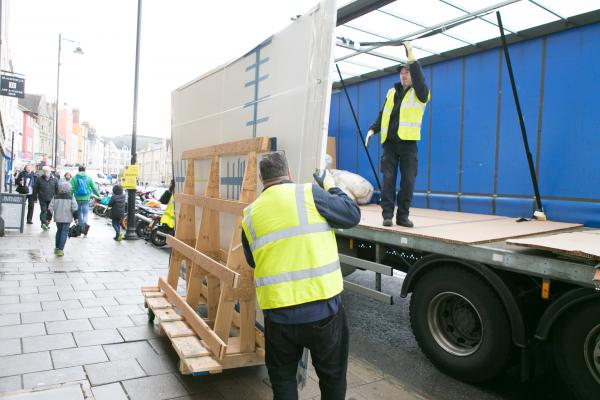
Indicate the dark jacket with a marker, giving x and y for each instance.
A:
(26, 180)
(340, 212)
(166, 196)
(117, 206)
(45, 187)
(422, 92)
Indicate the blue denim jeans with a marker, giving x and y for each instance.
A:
(116, 224)
(62, 233)
(82, 211)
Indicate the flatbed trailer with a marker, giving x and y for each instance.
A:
(478, 307)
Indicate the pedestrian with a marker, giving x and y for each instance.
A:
(68, 177)
(82, 187)
(166, 196)
(117, 210)
(46, 186)
(289, 241)
(63, 205)
(25, 184)
(401, 117)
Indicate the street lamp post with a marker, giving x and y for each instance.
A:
(130, 233)
(76, 51)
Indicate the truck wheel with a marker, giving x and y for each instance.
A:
(576, 348)
(460, 324)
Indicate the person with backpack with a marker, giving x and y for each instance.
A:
(117, 210)
(46, 186)
(82, 187)
(62, 205)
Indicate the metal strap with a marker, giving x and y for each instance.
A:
(297, 275)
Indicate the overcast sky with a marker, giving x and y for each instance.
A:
(181, 39)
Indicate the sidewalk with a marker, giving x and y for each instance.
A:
(74, 327)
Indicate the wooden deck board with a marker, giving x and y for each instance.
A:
(463, 228)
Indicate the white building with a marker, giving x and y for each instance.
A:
(116, 158)
(155, 163)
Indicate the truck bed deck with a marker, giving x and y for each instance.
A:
(477, 237)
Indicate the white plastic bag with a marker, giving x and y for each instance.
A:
(355, 186)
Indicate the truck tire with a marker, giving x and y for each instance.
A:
(576, 349)
(460, 324)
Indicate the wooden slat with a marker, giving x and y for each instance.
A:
(157, 303)
(150, 289)
(189, 346)
(227, 206)
(213, 342)
(259, 144)
(154, 294)
(211, 266)
(176, 329)
(167, 315)
(202, 364)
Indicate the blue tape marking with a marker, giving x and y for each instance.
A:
(255, 82)
(257, 121)
(264, 60)
(200, 373)
(253, 102)
(231, 180)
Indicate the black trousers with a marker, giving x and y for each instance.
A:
(44, 211)
(327, 341)
(393, 157)
(30, 206)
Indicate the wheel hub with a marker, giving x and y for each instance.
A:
(591, 349)
(455, 324)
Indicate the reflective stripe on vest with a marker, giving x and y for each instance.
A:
(410, 115)
(294, 264)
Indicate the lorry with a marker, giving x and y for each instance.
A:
(480, 301)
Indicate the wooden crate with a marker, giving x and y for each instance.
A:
(219, 279)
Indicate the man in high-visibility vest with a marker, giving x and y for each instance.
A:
(399, 123)
(289, 241)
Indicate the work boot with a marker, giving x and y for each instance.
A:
(387, 222)
(45, 227)
(60, 253)
(405, 222)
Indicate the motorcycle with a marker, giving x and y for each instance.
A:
(166, 226)
(146, 218)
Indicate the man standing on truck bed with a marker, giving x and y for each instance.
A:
(401, 117)
(289, 241)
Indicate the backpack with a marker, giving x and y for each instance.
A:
(82, 189)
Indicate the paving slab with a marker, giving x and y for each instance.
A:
(111, 322)
(10, 319)
(10, 383)
(19, 290)
(114, 391)
(130, 309)
(70, 392)
(114, 371)
(55, 289)
(5, 284)
(95, 337)
(78, 356)
(88, 286)
(23, 363)
(97, 302)
(72, 325)
(85, 313)
(53, 377)
(48, 342)
(42, 316)
(24, 330)
(12, 299)
(33, 297)
(124, 351)
(154, 364)
(61, 304)
(158, 387)
(133, 333)
(8, 347)
(86, 294)
(18, 308)
(36, 282)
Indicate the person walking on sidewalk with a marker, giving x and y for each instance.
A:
(25, 184)
(46, 186)
(82, 187)
(399, 123)
(63, 205)
(289, 241)
(117, 210)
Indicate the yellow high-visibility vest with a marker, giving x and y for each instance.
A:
(294, 248)
(411, 115)
(168, 218)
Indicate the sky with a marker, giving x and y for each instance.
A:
(180, 40)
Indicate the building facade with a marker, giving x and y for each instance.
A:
(156, 163)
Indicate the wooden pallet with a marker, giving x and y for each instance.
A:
(219, 280)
